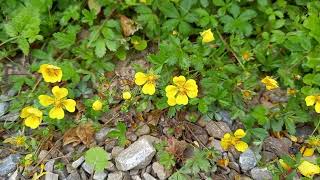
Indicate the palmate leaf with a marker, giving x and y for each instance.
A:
(198, 162)
(98, 158)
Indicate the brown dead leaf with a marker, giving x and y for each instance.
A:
(82, 133)
(154, 117)
(176, 147)
(128, 26)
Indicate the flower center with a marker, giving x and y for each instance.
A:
(52, 72)
(151, 78)
(58, 103)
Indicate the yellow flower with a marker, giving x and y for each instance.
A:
(270, 83)
(284, 165)
(148, 81)
(246, 55)
(28, 159)
(308, 169)
(306, 151)
(50, 73)
(97, 105)
(32, 117)
(37, 176)
(314, 141)
(17, 140)
(291, 91)
(311, 100)
(126, 95)
(230, 139)
(59, 102)
(207, 36)
(179, 93)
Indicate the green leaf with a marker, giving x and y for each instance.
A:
(100, 48)
(198, 162)
(178, 176)
(23, 45)
(119, 133)
(218, 2)
(259, 113)
(112, 45)
(138, 43)
(168, 9)
(166, 159)
(98, 158)
(66, 39)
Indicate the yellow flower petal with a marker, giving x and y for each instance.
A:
(56, 113)
(140, 78)
(239, 133)
(69, 104)
(149, 88)
(50, 73)
(317, 107)
(308, 169)
(25, 112)
(126, 95)
(171, 91)
(179, 80)
(307, 152)
(33, 122)
(59, 93)
(182, 99)
(191, 88)
(207, 36)
(270, 83)
(241, 146)
(310, 100)
(45, 100)
(97, 105)
(171, 101)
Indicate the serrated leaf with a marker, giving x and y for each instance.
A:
(100, 48)
(23, 45)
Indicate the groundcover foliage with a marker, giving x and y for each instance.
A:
(258, 60)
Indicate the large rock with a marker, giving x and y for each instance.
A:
(260, 174)
(278, 146)
(116, 176)
(137, 156)
(247, 160)
(217, 129)
(51, 176)
(9, 164)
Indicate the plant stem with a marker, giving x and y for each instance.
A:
(230, 49)
(8, 40)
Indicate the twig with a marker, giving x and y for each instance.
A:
(230, 49)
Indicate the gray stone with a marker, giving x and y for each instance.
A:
(304, 131)
(235, 166)
(247, 160)
(74, 176)
(116, 151)
(51, 176)
(101, 135)
(110, 144)
(99, 176)
(147, 176)
(9, 164)
(134, 172)
(83, 175)
(215, 144)
(49, 165)
(224, 116)
(62, 173)
(278, 146)
(116, 176)
(150, 139)
(131, 136)
(143, 130)
(136, 177)
(111, 167)
(78, 162)
(11, 117)
(260, 174)
(87, 168)
(138, 155)
(3, 108)
(267, 156)
(160, 171)
(217, 129)
(14, 176)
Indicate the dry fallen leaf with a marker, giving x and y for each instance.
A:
(176, 147)
(128, 26)
(82, 133)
